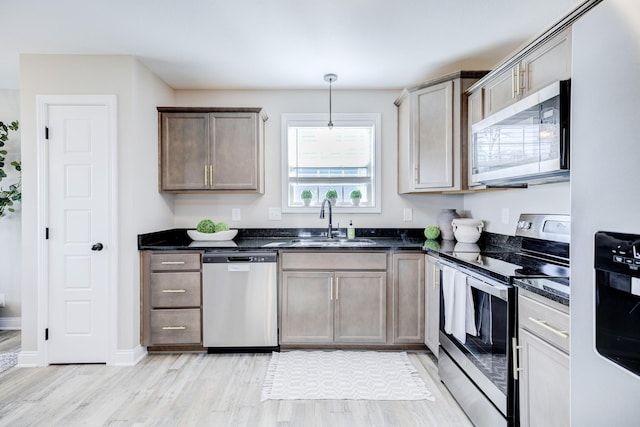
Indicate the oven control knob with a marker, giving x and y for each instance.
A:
(524, 225)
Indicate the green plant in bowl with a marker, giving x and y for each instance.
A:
(431, 232)
(206, 226)
(356, 194)
(306, 194)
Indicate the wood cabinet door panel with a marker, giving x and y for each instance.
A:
(173, 261)
(361, 307)
(184, 150)
(235, 150)
(544, 383)
(408, 295)
(549, 63)
(499, 92)
(434, 130)
(307, 307)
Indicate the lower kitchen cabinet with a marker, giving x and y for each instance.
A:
(431, 304)
(327, 307)
(544, 376)
(408, 298)
(345, 304)
(171, 294)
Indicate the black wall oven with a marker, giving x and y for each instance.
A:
(476, 342)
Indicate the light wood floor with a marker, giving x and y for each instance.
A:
(199, 390)
(9, 341)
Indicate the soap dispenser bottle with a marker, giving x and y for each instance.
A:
(351, 232)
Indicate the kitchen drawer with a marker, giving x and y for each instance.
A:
(548, 323)
(334, 261)
(175, 261)
(180, 326)
(179, 289)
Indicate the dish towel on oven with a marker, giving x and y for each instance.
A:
(459, 312)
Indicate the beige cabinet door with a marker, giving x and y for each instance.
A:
(433, 131)
(431, 304)
(408, 298)
(360, 307)
(184, 151)
(544, 383)
(234, 151)
(307, 307)
(547, 64)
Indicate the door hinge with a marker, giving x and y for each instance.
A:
(46, 334)
(46, 233)
(46, 132)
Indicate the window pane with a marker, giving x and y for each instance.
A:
(320, 159)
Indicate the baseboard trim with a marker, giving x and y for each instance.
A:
(129, 357)
(10, 323)
(28, 359)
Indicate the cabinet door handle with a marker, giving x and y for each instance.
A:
(331, 289)
(210, 174)
(417, 174)
(206, 175)
(514, 348)
(544, 324)
(173, 291)
(513, 82)
(174, 328)
(337, 287)
(172, 262)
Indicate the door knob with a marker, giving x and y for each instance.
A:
(97, 247)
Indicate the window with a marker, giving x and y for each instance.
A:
(343, 158)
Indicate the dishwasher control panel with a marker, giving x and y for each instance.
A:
(238, 257)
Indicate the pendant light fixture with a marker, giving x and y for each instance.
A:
(330, 78)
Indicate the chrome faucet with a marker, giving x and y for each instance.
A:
(330, 228)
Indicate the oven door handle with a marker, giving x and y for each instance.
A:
(498, 291)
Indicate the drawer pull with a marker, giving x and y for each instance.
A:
(174, 328)
(172, 262)
(545, 325)
(174, 291)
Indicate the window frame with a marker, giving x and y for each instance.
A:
(338, 119)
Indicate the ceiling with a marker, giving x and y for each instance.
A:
(279, 44)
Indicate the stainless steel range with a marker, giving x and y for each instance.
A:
(478, 319)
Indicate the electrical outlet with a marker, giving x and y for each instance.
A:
(236, 214)
(505, 215)
(275, 214)
(408, 214)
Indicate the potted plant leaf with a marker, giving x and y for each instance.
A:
(14, 192)
(306, 197)
(332, 195)
(355, 196)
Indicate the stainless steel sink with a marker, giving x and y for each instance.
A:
(323, 242)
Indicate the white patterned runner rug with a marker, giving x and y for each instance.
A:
(352, 375)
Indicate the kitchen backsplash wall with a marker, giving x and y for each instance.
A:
(423, 208)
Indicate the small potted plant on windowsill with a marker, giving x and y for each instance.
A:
(306, 197)
(355, 196)
(332, 195)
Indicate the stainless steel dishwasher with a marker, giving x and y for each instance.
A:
(240, 300)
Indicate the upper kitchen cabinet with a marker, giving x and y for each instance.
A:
(531, 70)
(212, 150)
(432, 134)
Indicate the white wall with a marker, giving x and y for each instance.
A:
(141, 207)
(11, 224)
(254, 209)
(606, 156)
(489, 206)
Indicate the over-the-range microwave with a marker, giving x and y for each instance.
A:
(525, 143)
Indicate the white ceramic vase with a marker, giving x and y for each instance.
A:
(444, 223)
(467, 230)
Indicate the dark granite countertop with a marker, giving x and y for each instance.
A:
(277, 238)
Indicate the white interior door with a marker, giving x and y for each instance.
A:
(78, 232)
